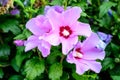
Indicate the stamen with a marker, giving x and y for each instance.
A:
(78, 54)
(65, 31)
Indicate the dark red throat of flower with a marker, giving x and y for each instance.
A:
(79, 54)
(65, 31)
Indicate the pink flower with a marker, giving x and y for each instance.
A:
(19, 42)
(66, 28)
(85, 54)
(40, 27)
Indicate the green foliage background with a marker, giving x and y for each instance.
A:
(15, 64)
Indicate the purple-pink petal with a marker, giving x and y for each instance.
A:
(39, 25)
(19, 42)
(31, 43)
(44, 47)
(15, 12)
(106, 38)
(94, 54)
(52, 38)
(90, 42)
(71, 15)
(93, 65)
(57, 8)
(68, 44)
(56, 20)
(82, 29)
(81, 68)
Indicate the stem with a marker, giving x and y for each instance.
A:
(98, 2)
(1, 41)
(40, 57)
(62, 58)
(44, 2)
(65, 4)
(4, 65)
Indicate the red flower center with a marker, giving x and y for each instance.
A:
(78, 53)
(65, 31)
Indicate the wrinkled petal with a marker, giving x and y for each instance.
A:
(93, 65)
(54, 18)
(53, 39)
(81, 68)
(70, 58)
(31, 43)
(31, 25)
(82, 29)
(94, 54)
(38, 25)
(72, 14)
(90, 42)
(68, 44)
(44, 48)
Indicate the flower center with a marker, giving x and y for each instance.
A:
(65, 31)
(40, 37)
(78, 54)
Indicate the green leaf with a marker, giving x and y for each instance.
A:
(84, 76)
(10, 25)
(1, 73)
(19, 58)
(33, 68)
(20, 3)
(108, 63)
(79, 77)
(56, 2)
(20, 36)
(54, 55)
(55, 71)
(116, 77)
(4, 50)
(26, 33)
(115, 73)
(115, 48)
(16, 77)
(65, 76)
(105, 7)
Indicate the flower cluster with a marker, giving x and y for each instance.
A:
(58, 26)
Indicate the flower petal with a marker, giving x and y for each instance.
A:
(52, 38)
(31, 25)
(70, 58)
(68, 44)
(72, 14)
(57, 8)
(38, 25)
(90, 42)
(44, 48)
(93, 65)
(82, 29)
(81, 68)
(94, 54)
(31, 43)
(54, 18)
